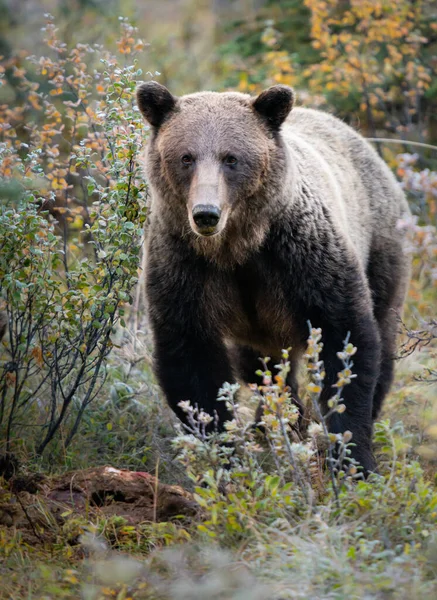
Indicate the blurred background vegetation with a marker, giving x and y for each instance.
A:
(371, 62)
(76, 384)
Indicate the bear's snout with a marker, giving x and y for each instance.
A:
(206, 218)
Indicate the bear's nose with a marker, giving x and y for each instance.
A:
(206, 217)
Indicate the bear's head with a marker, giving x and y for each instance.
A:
(214, 160)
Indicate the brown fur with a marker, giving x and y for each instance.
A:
(307, 231)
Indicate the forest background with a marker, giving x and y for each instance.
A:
(76, 383)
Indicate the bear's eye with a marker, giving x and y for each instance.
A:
(187, 160)
(230, 160)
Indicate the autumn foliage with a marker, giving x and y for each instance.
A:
(70, 231)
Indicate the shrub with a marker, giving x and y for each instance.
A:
(70, 229)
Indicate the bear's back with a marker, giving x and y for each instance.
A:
(355, 183)
(334, 139)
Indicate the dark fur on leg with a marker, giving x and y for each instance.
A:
(195, 370)
(358, 395)
(191, 360)
(340, 304)
(388, 275)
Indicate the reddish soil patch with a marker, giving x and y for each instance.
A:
(137, 496)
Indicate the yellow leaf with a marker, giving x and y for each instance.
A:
(314, 388)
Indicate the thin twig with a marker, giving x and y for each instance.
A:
(402, 143)
(37, 535)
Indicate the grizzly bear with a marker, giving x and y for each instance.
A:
(264, 219)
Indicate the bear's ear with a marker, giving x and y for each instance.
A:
(155, 102)
(274, 105)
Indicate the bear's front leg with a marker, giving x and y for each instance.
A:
(357, 396)
(190, 358)
(327, 287)
(192, 365)
(346, 309)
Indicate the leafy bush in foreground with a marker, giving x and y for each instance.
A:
(64, 283)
